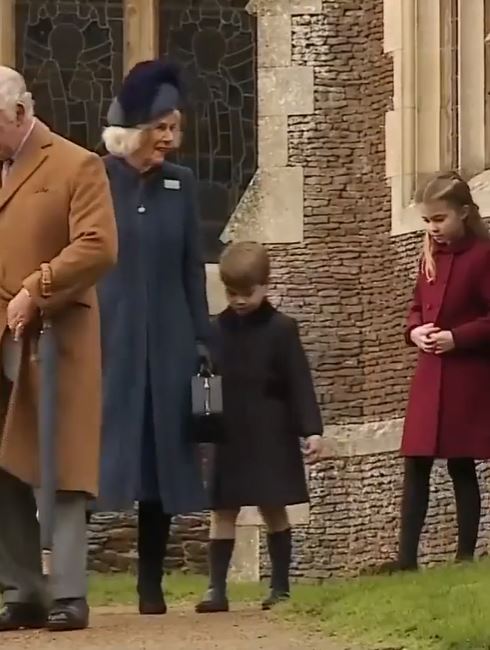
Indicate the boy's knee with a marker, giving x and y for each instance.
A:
(276, 519)
(223, 524)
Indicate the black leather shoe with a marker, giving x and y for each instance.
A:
(213, 602)
(22, 616)
(68, 614)
(152, 606)
(275, 598)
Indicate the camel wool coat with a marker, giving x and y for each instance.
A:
(57, 238)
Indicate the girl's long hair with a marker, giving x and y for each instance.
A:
(449, 187)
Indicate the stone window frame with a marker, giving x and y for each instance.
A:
(422, 133)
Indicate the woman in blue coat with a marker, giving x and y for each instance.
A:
(154, 320)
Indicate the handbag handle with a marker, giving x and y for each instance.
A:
(205, 369)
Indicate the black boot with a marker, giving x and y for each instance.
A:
(153, 533)
(215, 599)
(279, 545)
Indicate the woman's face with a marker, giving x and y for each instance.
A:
(444, 222)
(160, 138)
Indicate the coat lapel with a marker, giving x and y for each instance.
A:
(32, 156)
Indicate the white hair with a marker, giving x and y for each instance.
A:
(121, 141)
(13, 93)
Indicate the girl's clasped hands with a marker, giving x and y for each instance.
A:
(431, 339)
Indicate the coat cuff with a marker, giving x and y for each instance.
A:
(39, 284)
(408, 334)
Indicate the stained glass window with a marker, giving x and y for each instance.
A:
(71, 54)
(215, 43)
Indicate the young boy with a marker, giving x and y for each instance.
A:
(269, 405)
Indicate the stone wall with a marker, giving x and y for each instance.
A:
(353, 525)
(112, 543)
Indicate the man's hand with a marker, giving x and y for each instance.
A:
(20, 311)
(444, 342)
(313, 448)
(424, 337)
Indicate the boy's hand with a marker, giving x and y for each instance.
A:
(313, 448)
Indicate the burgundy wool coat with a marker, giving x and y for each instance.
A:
(448, 413)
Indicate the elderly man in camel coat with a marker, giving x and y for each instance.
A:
(57, 238)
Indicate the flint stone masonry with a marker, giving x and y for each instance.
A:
(348, 282)
(112, 543)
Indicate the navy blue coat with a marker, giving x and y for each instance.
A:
(153, 312)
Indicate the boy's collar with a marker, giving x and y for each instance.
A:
(262, 312)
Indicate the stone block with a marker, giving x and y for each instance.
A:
(271, 210)
(286, 91)
(284, 7)
(245, 564)
(305, 6)
(273, 141)
(274, 41)
(215, 290)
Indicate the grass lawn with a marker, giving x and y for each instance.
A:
(438, 609)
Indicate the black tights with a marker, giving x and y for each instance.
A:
(415, 501)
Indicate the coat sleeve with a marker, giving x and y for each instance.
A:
(476, 333)
(92, 247)
(414, 318)
(300, 384)
(194, 271)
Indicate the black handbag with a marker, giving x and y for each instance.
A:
(207, 407)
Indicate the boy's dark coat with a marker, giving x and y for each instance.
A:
(269, 404)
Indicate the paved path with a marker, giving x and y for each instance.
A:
(121, 629)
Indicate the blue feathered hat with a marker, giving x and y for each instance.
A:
(150, 90)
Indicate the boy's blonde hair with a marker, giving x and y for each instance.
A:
(449, 187)
(244, 265)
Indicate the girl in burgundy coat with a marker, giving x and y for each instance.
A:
(448, 413)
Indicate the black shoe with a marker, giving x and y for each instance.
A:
(275, 598)
(68, 614)
(213, 603)
(392, 567)
(152, 606)
(22, 616)
(215, 599)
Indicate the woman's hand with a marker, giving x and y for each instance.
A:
(443, 342)
(204, 356)
(423, 337)
(313, 449)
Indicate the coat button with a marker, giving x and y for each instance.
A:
(428, 306)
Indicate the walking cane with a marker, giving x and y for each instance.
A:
(47, 424)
